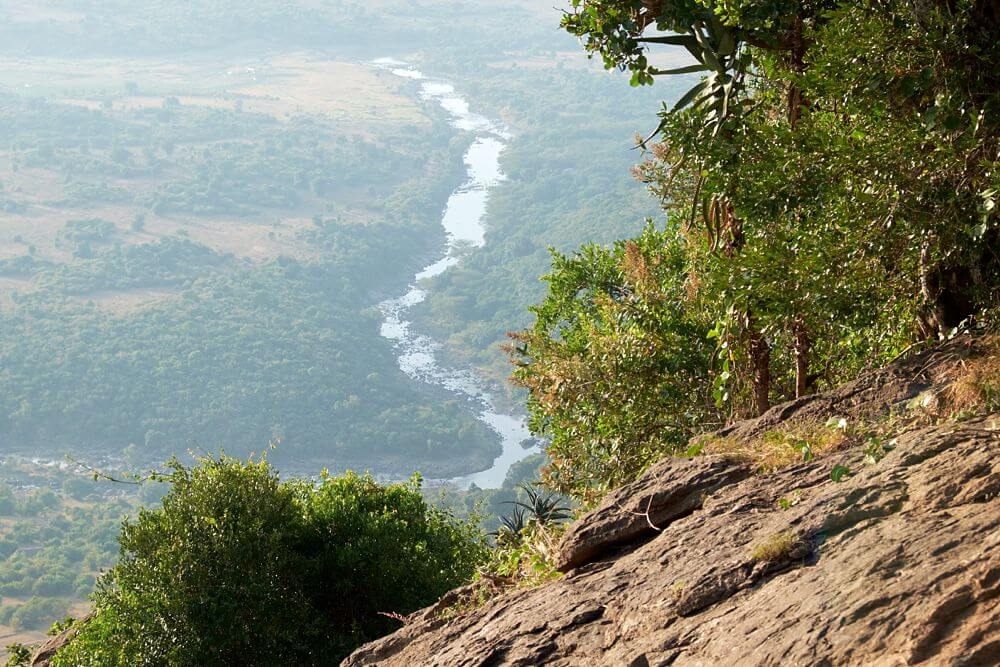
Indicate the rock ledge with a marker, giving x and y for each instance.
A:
(697, 562)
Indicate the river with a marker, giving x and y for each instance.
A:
(463, 222)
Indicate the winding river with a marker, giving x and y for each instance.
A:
(463, 224)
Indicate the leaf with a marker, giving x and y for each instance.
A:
(690, 95)
(711, 60)
(680, 70)
(695, 449)
(839, 472)
(676, 40)
(727, 44)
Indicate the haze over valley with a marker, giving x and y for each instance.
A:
(203, 205)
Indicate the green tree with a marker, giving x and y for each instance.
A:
(613, 363)
(238, 567)
(830, 188)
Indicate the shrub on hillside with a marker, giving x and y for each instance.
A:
(239, 566)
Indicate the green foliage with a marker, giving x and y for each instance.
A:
(777, 547)
(537, 507)
(18, 655)
(238, 563)
(612, 363)
(527, 558)
(542, 507)
(838, 208)
(839, 473)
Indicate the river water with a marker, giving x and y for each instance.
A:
(462, 220)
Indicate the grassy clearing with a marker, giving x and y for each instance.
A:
(122, 302)
(356, 96)
(298, 83)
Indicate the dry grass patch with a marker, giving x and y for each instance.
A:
(781, 447)
(977, 387)
(776, 547)
(302, 83)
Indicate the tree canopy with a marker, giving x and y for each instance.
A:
(830, 187)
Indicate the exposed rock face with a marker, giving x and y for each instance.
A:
(698, 563)
(42, 656)
(667, 492)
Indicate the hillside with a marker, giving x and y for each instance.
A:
(883, 551)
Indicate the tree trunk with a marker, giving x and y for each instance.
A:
(760, 360)
(802, 348)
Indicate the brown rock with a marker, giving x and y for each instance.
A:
(697, 564)
(666, 492)
(44, 654)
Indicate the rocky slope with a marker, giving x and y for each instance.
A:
(703, 562)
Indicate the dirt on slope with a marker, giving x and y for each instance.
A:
(703, 562)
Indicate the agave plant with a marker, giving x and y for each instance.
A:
(539, 507)
(512, 523)
(543, 507)
(617, 30)
(717, 49)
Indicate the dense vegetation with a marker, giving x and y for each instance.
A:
(238, 565)
(830, 192)
(60, 531)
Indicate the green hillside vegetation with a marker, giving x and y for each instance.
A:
(58, 534)
(829, 203)
(218, 349)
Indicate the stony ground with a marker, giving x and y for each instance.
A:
(704, 561)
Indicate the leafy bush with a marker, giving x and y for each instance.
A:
(237, 563)
(614, 363)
